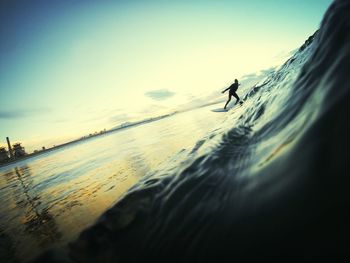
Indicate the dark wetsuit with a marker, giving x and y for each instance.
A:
(232, 92)
(233, 88)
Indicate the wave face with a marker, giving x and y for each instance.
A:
(271, 183)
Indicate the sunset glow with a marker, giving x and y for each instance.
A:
(68, 69)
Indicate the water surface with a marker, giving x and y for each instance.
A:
(47, 200)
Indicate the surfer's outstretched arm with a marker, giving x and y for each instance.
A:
(225, 90)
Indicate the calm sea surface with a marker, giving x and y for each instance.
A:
(47, 200)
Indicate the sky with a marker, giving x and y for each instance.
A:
(69, 68)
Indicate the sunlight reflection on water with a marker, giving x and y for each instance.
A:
(49, 199)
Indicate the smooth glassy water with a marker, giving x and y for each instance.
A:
(47, 200)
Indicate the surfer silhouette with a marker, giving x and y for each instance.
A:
(233, 88)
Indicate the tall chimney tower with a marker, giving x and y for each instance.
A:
(10, 148)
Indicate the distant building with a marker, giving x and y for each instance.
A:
(9, 147)
(4, 157)
(18, 150)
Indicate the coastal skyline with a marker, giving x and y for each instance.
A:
(68, 68)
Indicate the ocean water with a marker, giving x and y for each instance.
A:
(271, 183)
(47, 200)
(268, 181)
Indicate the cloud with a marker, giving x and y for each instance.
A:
(60, 120)
(161, 94)
(11, 114)
(119, 118)
(22, 113)
(250, 76)
(153, 108)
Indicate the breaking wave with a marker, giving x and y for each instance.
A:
(270, 183)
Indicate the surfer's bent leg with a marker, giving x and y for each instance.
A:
(236, 96)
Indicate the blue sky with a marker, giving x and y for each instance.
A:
(68, 68)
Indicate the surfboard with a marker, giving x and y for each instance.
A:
(219, 110)
(227, 108)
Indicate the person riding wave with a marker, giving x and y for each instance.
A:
(233, 88)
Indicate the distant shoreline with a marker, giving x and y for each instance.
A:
(120, 127)
(117, 128)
